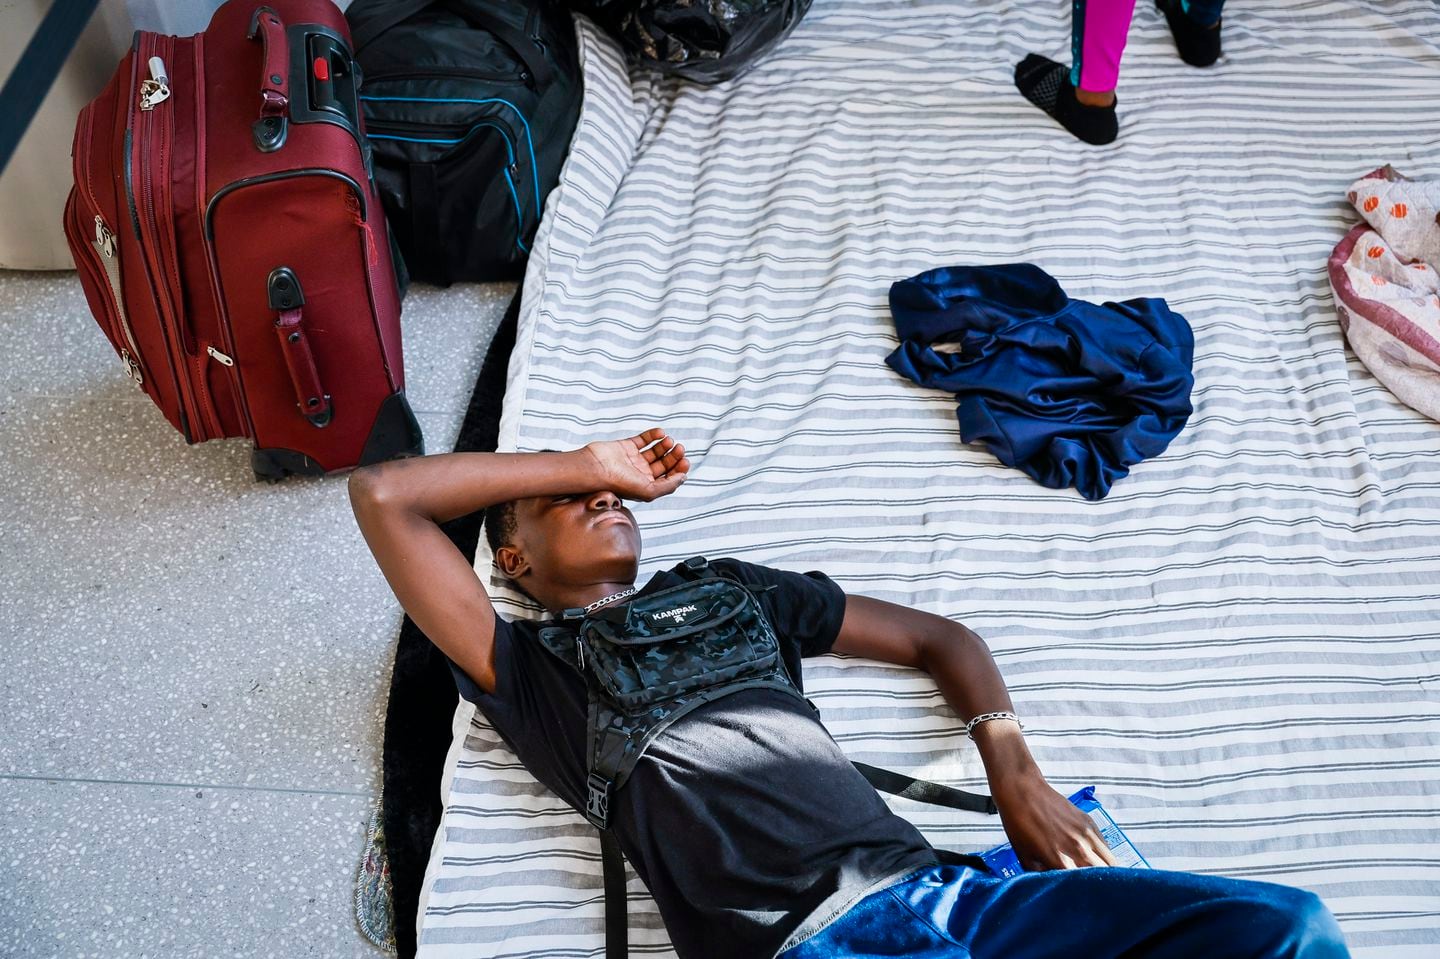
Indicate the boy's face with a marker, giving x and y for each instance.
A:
(579, 538)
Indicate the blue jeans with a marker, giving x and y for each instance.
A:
(958, 913)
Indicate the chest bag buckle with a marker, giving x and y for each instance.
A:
(597, 800)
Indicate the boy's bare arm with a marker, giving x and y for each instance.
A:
(399, 506)
(1045, 829)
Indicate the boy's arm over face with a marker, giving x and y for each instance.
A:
(1045, 829)
(399, 506)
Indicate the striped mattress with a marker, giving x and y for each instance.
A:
(1240, 646)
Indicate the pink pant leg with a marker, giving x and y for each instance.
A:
(1099, 31)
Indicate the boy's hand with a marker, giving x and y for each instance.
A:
(644, 467)
(1045, 828)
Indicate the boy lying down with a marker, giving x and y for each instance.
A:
(754, 834)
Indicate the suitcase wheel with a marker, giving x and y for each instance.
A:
(272, 466)
(395, 433)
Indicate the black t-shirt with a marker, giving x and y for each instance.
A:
(744, 819)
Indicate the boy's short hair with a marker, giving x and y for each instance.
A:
(500, 525)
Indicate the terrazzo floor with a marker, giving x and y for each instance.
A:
(193, 665)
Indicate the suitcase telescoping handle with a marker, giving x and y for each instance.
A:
(286, 299)
(269, 131)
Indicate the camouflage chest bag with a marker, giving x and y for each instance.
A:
(648, 662)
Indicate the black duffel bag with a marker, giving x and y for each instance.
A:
(707, 41)
(469, 107)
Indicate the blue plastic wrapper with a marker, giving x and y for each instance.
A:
(1003, 862)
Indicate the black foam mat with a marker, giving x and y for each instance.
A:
(422, 692)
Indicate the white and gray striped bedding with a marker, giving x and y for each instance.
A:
(1240, 646)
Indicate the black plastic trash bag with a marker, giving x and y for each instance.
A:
(707, 41)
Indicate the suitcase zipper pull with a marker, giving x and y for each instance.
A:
(105, 245)
(104, 239)
(157, 88)
(219, 356)
(132, 368)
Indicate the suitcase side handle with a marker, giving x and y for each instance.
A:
(286, 298)
(269, 131)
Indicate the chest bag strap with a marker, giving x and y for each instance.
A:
(617, 932)
(921, 790)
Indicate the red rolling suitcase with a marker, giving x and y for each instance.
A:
(231, 244)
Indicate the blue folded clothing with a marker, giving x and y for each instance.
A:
(1072, 393)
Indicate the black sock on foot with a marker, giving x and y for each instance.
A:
(1198, 44)
(1046, 84)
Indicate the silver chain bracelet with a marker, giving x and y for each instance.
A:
(986, 717)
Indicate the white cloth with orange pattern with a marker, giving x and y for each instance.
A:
(1386, 278)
